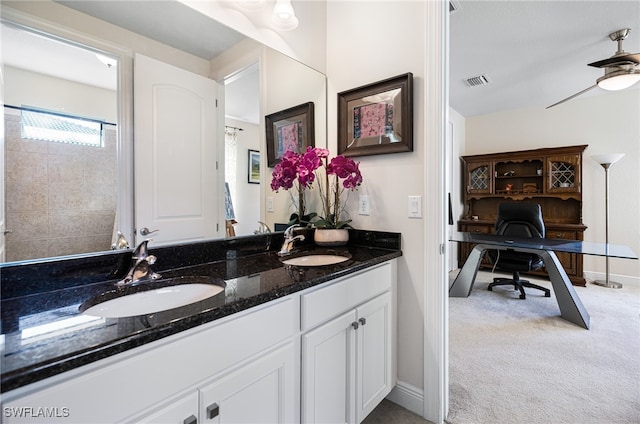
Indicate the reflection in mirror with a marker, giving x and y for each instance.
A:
(61, 155)
(242, 136)
(282, 82)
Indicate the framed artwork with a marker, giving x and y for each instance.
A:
(290, 129)
(229, 213)
(376, 118)
(253, 166)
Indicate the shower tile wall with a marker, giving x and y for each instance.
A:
(60, 198)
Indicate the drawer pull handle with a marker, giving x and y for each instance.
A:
(355, 325)
(190, 420)
(362, 321)
(560, 235)
(213, 410)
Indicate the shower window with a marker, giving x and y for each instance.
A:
(48, 126)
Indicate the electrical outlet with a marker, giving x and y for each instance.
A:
(363, 205)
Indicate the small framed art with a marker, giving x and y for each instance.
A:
(290, 129)
(253, 167)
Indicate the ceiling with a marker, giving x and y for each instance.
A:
(27, 50)
(535, 53)
(171, 23)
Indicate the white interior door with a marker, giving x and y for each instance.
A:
(175, 153)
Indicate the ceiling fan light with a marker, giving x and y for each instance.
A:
(619, 80)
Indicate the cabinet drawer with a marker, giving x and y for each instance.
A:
(562, 234)
(327, 302)
(484, 229)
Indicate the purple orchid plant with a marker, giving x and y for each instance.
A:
(301, 170)
(338, 168)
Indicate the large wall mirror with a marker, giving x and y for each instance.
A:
(67, 198)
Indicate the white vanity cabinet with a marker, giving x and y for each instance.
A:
(259, 391)
(184, 410)
(168, 380)
(256, 393)
(348, 352)
(322, 355)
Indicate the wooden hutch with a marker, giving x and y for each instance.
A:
(551, 177)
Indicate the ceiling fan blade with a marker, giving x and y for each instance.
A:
(625, 59)
(571, 97)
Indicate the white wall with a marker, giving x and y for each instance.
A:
(25, 88)
(369, 42)
(457, 140)
(359, 55)
(608, 123)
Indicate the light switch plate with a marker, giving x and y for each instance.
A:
(270, 204)
(415, 206)
(363, 205)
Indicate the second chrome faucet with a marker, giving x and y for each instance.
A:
(289, 240)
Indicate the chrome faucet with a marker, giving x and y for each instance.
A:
(262, 229)
(140, 270)
(289, 240)
(120, 242)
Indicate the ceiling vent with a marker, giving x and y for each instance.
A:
(478, 80)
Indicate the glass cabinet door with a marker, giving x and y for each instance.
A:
(563, 174)
(479, 177)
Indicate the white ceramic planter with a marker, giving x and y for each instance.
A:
(331, 236)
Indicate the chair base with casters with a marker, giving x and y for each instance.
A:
(518, 284)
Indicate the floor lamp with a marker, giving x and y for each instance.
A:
(607, 160)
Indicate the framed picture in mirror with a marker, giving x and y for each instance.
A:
(253, 167)
(290, 129)
(376, 118)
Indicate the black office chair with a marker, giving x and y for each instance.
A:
(518, 220)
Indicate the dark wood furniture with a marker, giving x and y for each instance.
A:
(551, 177)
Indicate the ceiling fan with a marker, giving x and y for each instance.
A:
(619, 69)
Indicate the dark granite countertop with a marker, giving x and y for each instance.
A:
(45, 334)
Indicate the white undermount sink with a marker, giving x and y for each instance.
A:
(315, 260)
(155, 300)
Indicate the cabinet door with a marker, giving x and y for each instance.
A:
(479, 177)
(328, 372)
(374, 354)
(181, 411)
(260, 392)
(563, 174)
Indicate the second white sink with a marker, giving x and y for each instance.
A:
(315, 260)
(152, 301)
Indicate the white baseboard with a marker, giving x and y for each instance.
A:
(409, 397)
(623, 279)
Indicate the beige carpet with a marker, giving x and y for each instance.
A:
(516, 361)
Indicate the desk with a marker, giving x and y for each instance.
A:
(571, 307)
